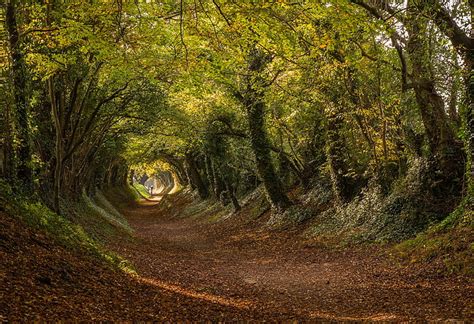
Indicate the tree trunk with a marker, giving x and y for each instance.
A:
(263, 159)
(180, 176)
(8, 158)
(209, 172)
(469, 80)
(58, 151)
(178, 166)
(463, 43)
(445, 150)
(20, 95)
(335, 155)
(195, 177)
(454, 94)
(188, 177)
(219, 185)
(233, 199)
(131, 177)
(255, 107)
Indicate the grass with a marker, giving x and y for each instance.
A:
(122, 197)
(99, 220)
(61, 229)
(140, 191)
(451, 241)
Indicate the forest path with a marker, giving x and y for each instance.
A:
(278, 276)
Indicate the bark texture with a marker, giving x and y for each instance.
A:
(253, 99)
(20, 94)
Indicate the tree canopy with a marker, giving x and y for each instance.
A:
(232, 95)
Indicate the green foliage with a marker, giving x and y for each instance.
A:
(462, 216)
(373, 215)
(293, 216)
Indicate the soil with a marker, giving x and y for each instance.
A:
(190, 269)
(239, 263)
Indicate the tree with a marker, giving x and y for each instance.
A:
(252, 99)
(19, 85)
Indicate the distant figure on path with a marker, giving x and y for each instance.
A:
(151, 190)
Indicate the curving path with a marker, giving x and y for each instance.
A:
(272, 275)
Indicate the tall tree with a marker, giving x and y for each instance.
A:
(19, 76)
(253, 99)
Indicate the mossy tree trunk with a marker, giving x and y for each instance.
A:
(468, 54)
(445, 150)
(209, 172)
(233, 198)
(335, 153)
(178, 167)
(470, 118)
(59, 147)
(194, 176)
(20, 94)
(253, 99)
(219, 184)
(131, 176)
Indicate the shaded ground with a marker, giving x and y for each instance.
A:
(227, 271)
(40, 280)
(232, 264)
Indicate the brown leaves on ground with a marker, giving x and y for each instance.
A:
(284, 276)
(189, 269)
(40, 280)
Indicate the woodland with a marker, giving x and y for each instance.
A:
(310, 160)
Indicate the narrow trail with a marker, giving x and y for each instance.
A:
(273, 275)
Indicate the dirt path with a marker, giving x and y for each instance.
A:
(232, 265)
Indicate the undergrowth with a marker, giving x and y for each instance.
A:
(373, 216)
(62, 230)
(210, 210)
(122, 197)
(451, 241)
(99, 210)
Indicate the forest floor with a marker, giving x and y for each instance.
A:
(277, 275)
(189, 269)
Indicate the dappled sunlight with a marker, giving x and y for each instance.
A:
(221, 300)
(333, 317)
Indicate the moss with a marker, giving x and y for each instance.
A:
(61, 229)
(98, 218)
(122, 197)
(451, 241)
(463, 216)
(106, 212)
(140, 191)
